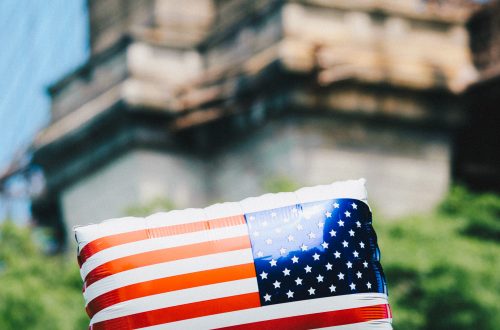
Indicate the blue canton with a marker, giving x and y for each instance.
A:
(315, 250)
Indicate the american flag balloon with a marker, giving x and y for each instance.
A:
(302, 260)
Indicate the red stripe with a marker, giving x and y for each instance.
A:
(320, 320)
(133, 236)
(181, 312)
(164, 255)
(168, 284)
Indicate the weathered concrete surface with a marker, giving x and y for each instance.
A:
(407, 170)
(135, 178)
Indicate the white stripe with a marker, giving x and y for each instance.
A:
(133, 248)
(175, 298)
(271, 312)
(345, 189)
(167, 269)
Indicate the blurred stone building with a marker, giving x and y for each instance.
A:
(201, 101)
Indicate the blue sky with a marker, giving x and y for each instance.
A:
(40, 41)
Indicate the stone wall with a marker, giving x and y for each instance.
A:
(135, 178)
(111, 20)
(407, 169)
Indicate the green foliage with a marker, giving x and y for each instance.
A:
(440, 275)
(280, 184)
(37, 291)
(481, 213)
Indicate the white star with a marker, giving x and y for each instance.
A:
(264, 223)
(328, 266)
(277, 284)
(341, 276)
(307, 269)
(324, 245)
(347, 214)
(282, 250)
(269, 241)
(311, 235)
(286, 272)
(286, 220)
(341, 223)
(356, 254)
(251, 217)
(349, 264)
(289, 294)
(354, 206)
(298, 281)
(256, 233)
(336, 205)
(353, 286)
(303, 247)
(358, 224)
(351, 232)
(295, 259)
(267, 297)
(328, 214)
(263, 275)
(365, 264)
(278, 230)
(311, 291)
(320, 278)
(290, 238)
(332, 288)
(358, 274)
(273, 214)
(345, 244)
(368, 285)
(362, 245)
(299, 227)
(337, 254)
(321, 224)
(316, 256)
(260, 254)
(333, 233)
(272, 263)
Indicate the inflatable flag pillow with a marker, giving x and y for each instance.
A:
(302, 260)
